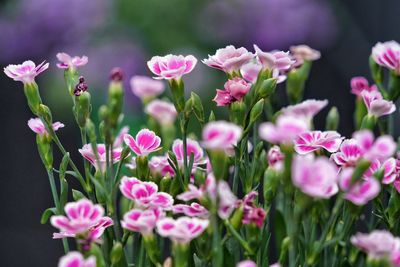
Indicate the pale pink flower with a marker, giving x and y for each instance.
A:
(192, 210)
(251, 70)
(160, 164)
(82, 218)
(162, 111)
(171, 66)
(376, 105)
(360, 84)
(66, 61)
(229, 59)
(362, 191)
(227, 200)
(25, 72)
(181, 230)
(145, 143)
(100, 165)
(275, 158)
(246, 263)
(387, 54)
(377, 244)
(76, 259)
(37, 126)
(142, 221)
(145, 87)
(315, 177)
(285, 130)
(192, 147)
(274, 60)
(119, 140)
(314, 140)
(221, 135)
(275, 265)
(145, 194)
(306, 109)
(192, 193)
(304, 52)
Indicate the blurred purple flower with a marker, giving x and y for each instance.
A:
(271, 24)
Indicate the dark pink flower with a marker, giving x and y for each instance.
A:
(192, 210)
(237, 87)
(360, 84)
(376, 105)
(229, 59)
(171, 66)
(285, 130)
(146, 142)
(377, 244)
(387, 54)
(145, 87)
(37, 126)
(314, 140)
(142, 221)
(223, 98)
(252, 213)
(88, 153)
(76, 259)
(66, 61)
(25, 72)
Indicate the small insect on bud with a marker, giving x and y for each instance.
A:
(116, 74)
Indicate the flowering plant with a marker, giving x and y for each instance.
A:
(264, 187)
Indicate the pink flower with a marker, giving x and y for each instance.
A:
(234, 90)
(314, 140)
(192, 210)
(361, 191)
(146, 142)
(82, 218)
(395, 258)
(223, 98)
(181, 230)
(76, 259)
(285, 130)
(25, 72)
(192, 193)
(66, 61)
(251, 70)
(162, 111)
(377, 244)
(142, 221)
(315, 177)
(88, 153)
(221, 135)
(387, 54)
(376, 105)
(275, 265)
(246, 263)
(304, 52)
(171, 66)
(119, 140)
(38, 127)
(227, 200)
(145, 194)
(252, 213)
(159, 164)
(229, 59)
(350, 152)
(145, 87)
(192, 147)
(388, 167)
(275, 158)
(274, 60)
(360, 84)
(306, 109)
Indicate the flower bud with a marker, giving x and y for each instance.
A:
(368, 122)
(152, 249)
(116, 253)
(256, 111)
(142, 167)
(32, 94)
(165, 183)
(197, 106)
(45, 112)
(332, 120)
(82, 109)
(45, 150)
(266, 88)
(376, 71)
(237, 112)
(115, 101)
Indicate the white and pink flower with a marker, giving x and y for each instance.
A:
(181, 230)
(387, 54)
(221, 135)
(192, 147)
(227, 200)
(119, 140)
(100, 161)
(306, 109)
(229, 59)
(145, 87)
(377, 244)
(145, 194)
(278, 60)
(142, 221)
(76, 259)
(193, 192)
(25, 72)
(192, 210)
(246, 263)
(304, 53)
(171, 66)
(314, 140)
(37, 126)
(376, 105)
(162, 111)
(160, 165)
(66, 61)
(146, 142)
(315, 177)
(285, 130)
(361, 84)
(275, 158)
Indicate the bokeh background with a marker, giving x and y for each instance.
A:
(126, 33)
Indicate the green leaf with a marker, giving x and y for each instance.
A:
(76, 195)
(64, 166)
(46, 215)
(280, 228)
(64, 192)
(197, 107)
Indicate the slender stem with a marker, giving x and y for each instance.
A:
(242, 242)
(85, 163)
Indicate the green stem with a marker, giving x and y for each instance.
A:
(239, 238)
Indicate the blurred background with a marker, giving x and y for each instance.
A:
(126, 34)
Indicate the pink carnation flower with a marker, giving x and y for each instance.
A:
(387, 54)
(377, 244)
(360, 84)
(246, 263)
(160, 165)
(192, 193)
(25, 72)
(304, 53)
(145, 194)
(388, 167)
(314, 140)
(315, 177)
(251, 70)
(119, 140)
(252, 213)
(142, 221)
(66, 61)
(275, 158)
(83, 218)
(181, 230)
(36, 125)
(145, 87)
(274, 60)
(229, 59)
(285, 130)
(227, 200)
(376, 105)
(192, 210)
(234, 90)
(76, 259)
(306, 109)
(145, 143)
(171, 66)
(192, 147)
(88, 153)
(221, 135)
(162, 111)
